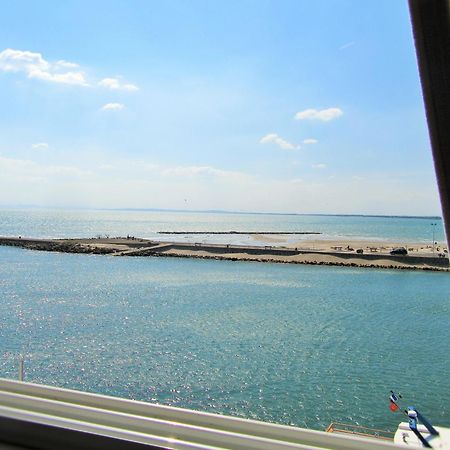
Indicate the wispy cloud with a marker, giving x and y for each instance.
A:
(112, 107)
(107, 167)
(35, 66)
(39, 145)
(275, 139)
(310, 141)
(319, 166)
(325, 115)
(115, 84)
(192, 171)
(141, 168)
(32, 171)
(347, 45)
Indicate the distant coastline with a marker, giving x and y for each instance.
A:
(220, 211)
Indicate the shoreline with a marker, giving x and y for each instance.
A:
(305, 252)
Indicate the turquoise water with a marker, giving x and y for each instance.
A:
(78, 223)
(290, 344)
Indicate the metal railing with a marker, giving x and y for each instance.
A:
(72, 415)
(358, 430)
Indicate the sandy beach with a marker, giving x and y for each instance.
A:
(351, 245)
(371, 246)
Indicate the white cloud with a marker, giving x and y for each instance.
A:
(324, 115)
(296, 181)
(35, 66)
(319, 166)
(75, 78)
(63, 72)
(282, 143)
(66, 64)
(112, 107)
(17, 60)
(310, 141)
(40, 145)
(115, 84)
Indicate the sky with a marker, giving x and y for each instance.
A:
(268, 106)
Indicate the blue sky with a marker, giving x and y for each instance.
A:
(280, 106)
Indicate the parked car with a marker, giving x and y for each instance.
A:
(399, 251)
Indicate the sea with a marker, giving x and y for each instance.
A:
(292, 344)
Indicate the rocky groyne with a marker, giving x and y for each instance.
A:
(277, 233)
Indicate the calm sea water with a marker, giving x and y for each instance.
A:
(77, 223)
(290, 344)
